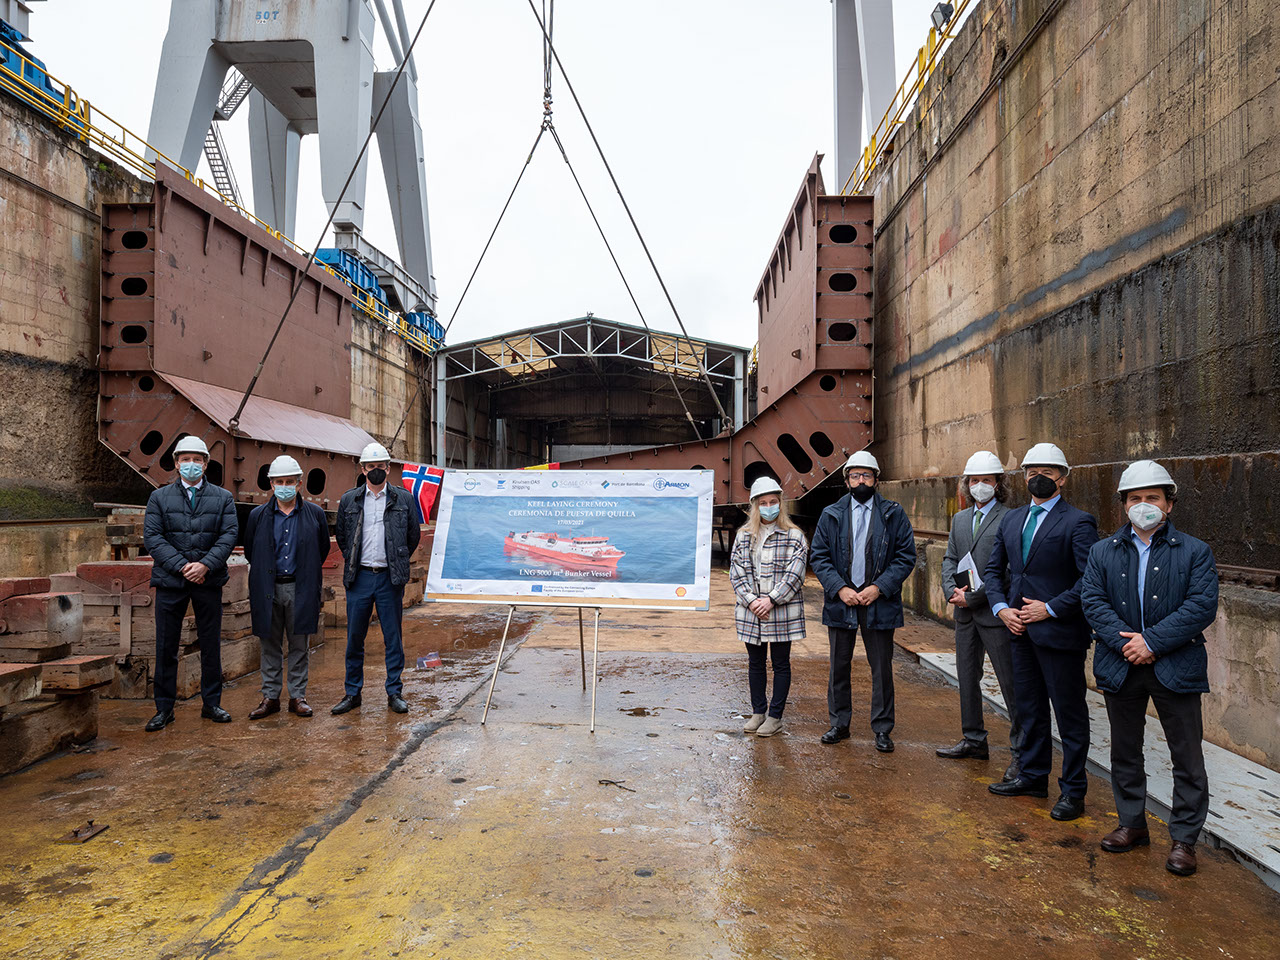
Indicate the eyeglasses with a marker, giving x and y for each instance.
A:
(860, 476)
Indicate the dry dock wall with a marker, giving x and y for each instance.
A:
(1078, 240)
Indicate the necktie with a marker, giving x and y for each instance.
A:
(191, 494)
(977, 521)
(1029, 531)
(858, 566)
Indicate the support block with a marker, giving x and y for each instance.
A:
(18, 586)
(134, 575)
(18, 682)
(58, 614)
(32, 648)
(77, 674)
(31, 731)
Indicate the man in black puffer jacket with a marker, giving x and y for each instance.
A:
(190, 530)
(1149, 593)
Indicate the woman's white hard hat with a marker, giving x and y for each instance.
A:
(765, 485)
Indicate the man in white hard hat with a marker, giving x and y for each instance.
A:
(189, 530)
(1033, 583)
(1150, 591)
(863, 550)
(979, 633)
(377, 532)
(286, 541)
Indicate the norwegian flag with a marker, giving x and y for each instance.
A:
(424, 483)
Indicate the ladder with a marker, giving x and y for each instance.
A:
(234, 92)
(216, 154)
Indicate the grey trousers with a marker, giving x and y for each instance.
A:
(973, 641)
(1180, 716)
(273, 648)
(878, 646)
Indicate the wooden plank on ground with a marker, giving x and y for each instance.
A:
(31, 731)
(77, 674)
(18, 682)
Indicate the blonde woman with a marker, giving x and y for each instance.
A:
(767, 572)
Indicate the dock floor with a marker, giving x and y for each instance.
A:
(429, 835)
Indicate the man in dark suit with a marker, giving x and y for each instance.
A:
(1149, 593)
(979, 632)
(1033, 582)
(863, 549)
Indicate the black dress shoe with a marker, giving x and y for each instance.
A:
(159, 721)
(884, 743)
(964, 750)
(1020, 788)
(349, 702)
(1012, 771)
(835, 735)
(397, 705)
(1068, 808)
(215, 713)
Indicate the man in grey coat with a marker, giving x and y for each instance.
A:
(979, 632)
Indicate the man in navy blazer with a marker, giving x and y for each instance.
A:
(1033, 583)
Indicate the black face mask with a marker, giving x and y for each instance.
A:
(376, 476)
(862, 492)
(1042, 487)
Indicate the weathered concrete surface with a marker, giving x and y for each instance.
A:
(1078, 239)
(374, 835)
(51, 189)
(38, 549)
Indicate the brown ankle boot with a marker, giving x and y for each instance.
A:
(1182, 859)
(300, 707)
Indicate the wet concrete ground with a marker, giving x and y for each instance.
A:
(432, 836)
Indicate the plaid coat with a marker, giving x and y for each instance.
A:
(785, 558)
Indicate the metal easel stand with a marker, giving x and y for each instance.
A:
(582, 653)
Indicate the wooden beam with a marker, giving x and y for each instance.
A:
(77, 674)
(31, 731)
(18, 682)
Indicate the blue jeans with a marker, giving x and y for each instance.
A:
(374, 587)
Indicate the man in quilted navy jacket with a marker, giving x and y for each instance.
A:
(190, 530)
(1149, 593)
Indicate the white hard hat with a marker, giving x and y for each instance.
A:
(1046, 455)
(983, 462)
(862, 459)
(284, 466)
(190, 444)
(375, 453)
(765, 485)
(1143, 474)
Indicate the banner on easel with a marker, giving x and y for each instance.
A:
(601, 538)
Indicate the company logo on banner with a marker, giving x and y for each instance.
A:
(632, 538)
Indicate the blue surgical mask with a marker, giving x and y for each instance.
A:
(770, 514)
(191, 472)
(285, 492)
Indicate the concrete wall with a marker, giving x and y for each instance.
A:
(51, 191)
(1078, 240)
(40, 548)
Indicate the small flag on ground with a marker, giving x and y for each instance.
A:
(424, 483)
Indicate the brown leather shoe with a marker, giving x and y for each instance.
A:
(264, 709)
(300, 707)
(1124, 839)
(1182, 859)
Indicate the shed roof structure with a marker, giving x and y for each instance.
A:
(597, 382)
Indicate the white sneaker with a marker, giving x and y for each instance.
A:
(769, 727)
(753, 724)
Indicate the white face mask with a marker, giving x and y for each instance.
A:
(1145, 516)
(981, 492)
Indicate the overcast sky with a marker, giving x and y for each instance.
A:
(709, 112)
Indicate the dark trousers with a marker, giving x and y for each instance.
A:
(1179, 715)
(374, 588)
(973, 642)
(1044, 677)
(878, 646)
(171, 609)
(757, 677)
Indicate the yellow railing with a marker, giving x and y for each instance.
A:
(922, 67)
(100, 130)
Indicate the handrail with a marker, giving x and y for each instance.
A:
(904, 98)
(118, 142)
